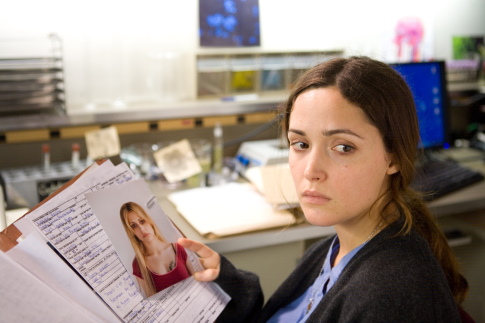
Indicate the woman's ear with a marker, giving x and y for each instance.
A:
(392, 167)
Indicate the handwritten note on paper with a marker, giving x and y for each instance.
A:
(68, 222)
(102, 143)
(187, 301)
(71, 227)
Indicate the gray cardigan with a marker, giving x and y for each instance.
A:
(391, 279)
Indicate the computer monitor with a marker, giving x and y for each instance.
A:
(427, 81)
(229, 23)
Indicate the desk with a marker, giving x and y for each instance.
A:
(262, 252)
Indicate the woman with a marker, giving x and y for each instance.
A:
(353, 133)
(158, 264)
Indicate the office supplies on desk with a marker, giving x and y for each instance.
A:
(435, 176)
(46, 157)
(218, 149)
(75, 156)
(261, 153)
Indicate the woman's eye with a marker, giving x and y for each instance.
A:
(298, 145)
(142, 221)
(343, 148)
(133, 226)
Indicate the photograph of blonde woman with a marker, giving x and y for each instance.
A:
(158, 264)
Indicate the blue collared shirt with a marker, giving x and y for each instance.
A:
(297, 311)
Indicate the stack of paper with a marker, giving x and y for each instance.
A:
(73, 252)
(228, 209)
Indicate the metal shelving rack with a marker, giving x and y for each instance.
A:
(31, 76)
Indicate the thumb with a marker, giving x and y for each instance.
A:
(207, 275)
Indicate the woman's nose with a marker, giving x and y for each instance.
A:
(314, 168)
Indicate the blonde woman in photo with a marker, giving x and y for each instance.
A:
(158, 264)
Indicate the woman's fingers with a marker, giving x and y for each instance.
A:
(207, 275)
(201, 249)
(208, 257)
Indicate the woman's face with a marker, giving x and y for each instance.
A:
(141, 227)
(337, 158)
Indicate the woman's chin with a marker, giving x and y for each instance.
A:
(320, 219)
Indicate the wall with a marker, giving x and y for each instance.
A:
(125, 54)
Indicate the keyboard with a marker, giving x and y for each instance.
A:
(436, 178)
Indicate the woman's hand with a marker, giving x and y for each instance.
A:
(208, 257)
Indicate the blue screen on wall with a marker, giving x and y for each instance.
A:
(427, 81)
(229, 23)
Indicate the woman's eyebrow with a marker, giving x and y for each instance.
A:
(340, 131)
(298, 132)
(328, 133)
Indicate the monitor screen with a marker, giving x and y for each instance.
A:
(229, 23)
(427, 81)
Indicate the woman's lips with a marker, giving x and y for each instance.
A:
(313, 197)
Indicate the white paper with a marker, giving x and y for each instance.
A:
(228, 209)
(27, 299)
(36, 256)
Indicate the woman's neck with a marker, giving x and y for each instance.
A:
(155, 247)
(352, 235)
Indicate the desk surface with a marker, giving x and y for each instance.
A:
(468, 199)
